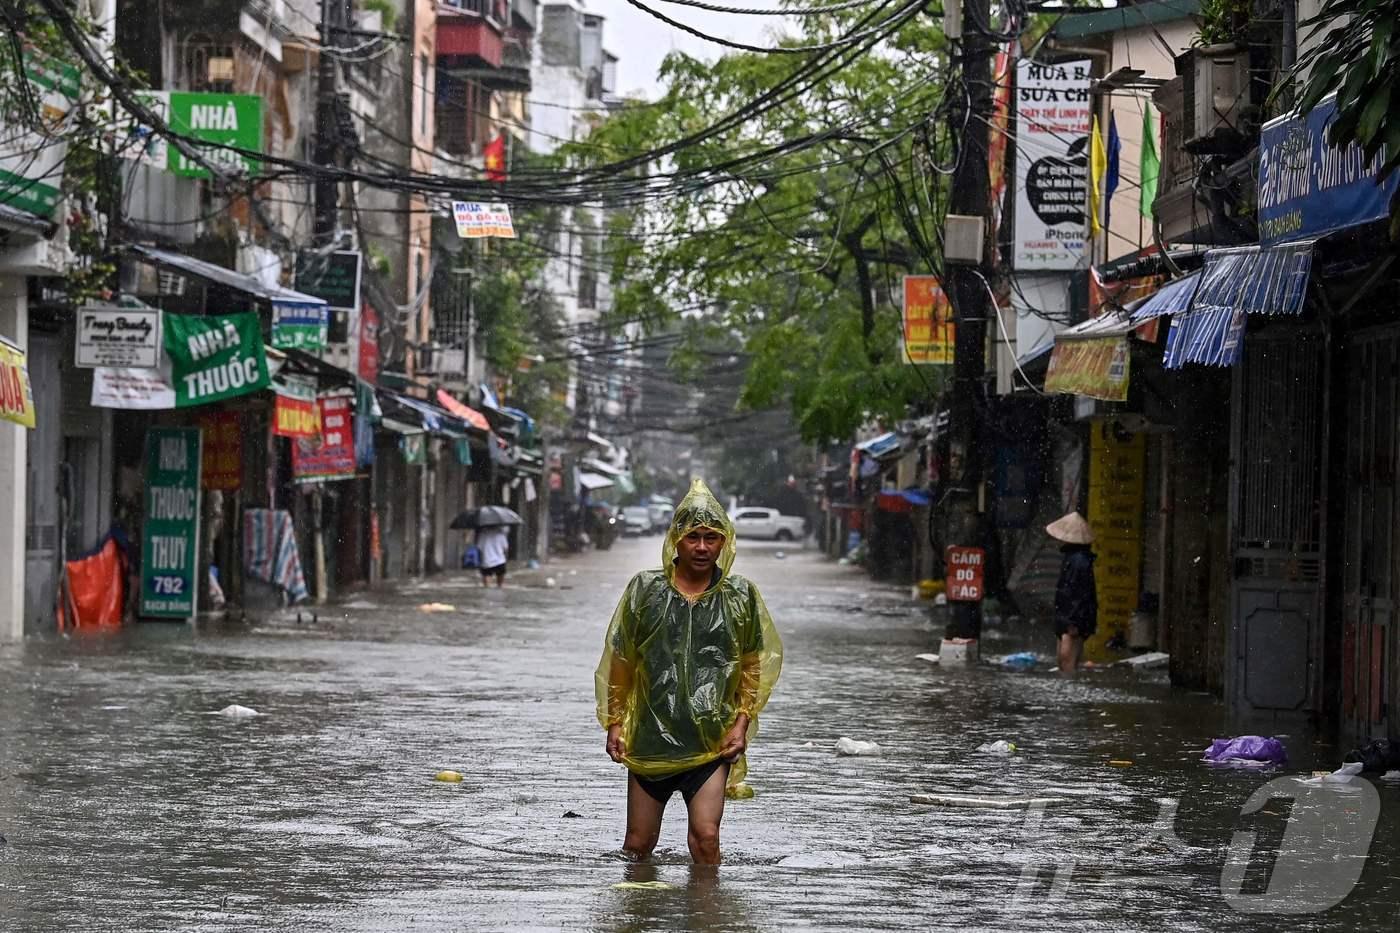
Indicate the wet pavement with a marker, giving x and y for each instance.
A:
(127, 806)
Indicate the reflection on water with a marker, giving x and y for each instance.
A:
(126, 806)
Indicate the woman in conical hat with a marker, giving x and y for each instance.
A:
(1076, 599)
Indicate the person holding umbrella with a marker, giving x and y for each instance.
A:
(492, 538)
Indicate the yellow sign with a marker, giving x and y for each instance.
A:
(1116, 468)
(16, 397)
(1096, 367)
(929, 330)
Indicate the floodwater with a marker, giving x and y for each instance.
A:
(127, 806)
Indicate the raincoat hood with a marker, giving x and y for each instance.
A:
(699, 509)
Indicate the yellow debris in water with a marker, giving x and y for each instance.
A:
(739, 792)
(1120, 763)
(643, 886)
(448, 777)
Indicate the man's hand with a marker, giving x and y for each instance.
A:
(736, 740)
(615, 746)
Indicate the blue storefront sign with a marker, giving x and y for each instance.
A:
(1308, 188)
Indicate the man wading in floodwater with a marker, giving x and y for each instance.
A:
(690, 658)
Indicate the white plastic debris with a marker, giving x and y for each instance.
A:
(234, 711)
(550, 583)
(985, 803)
(780, 555)
(1343, 775)
(437, 607)
(1391, 776)
(856, 748)
(930, 658)
(999, 747)
(1147, 662)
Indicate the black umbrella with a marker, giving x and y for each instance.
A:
(486, 517)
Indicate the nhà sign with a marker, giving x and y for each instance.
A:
(1052, 155)
(215, 357)
(967, 570)
(170, 525)
(32, 159)
(1308, 187)
(16, 396)
(332, 457)
(120, 337)
(929, 330)
(476, 220)
(334, 278)
(230, 119)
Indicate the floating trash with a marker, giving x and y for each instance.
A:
(985, 803)
(855, 748)
(436, 607)
(643, 886)
(999, 747)
(448, 777)
(234, 711)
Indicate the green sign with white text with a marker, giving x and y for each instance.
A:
(215, 357)
(231, 119)
(170, 526)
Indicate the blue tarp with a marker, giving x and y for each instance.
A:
(916, 496)
(1172, 298)
(879, 446)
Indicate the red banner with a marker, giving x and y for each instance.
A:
(222, 466)
(333, 455)
(295, 416)
(369, 343)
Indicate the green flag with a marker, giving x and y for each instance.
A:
(215, 357)
(1151, 165)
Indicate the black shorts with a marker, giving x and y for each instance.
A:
(1062, 628)
(687, 782)
(498, 571)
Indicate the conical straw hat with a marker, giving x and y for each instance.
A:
(1071, 529)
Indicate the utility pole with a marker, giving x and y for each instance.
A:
(327, 129)
(972, 308)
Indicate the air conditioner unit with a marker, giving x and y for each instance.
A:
(1216, 95)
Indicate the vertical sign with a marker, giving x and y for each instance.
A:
(332, 456)
(368, 364)
(1116, 500)
(170, 528)
(928, 321)
(223, 450)
(966, 572)
(1052, 157)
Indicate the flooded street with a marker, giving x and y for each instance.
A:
(127, 805)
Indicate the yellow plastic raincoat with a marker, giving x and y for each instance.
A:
(677, 674)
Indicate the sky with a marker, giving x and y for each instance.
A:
(640, 41)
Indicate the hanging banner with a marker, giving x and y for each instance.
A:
(121, 337)
(133, 389)
(1097, 368)
(223, 450)
(295, 412)
(170, 526)
(332, 456)
(1052, 156)
(298, 326)
(215, 357)
(368, 363)
(929, 331)
(476, 220)
(16, 396)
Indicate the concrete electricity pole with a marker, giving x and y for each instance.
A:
(972, 308)
(327, 130)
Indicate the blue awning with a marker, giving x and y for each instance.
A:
(1172, 298)
(1208, 336)
(878, 447)
(1257, 279)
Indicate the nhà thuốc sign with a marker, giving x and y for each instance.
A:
(215, 357)
(120, 337)
(170, 526)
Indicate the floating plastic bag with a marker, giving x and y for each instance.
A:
(1020, 661)
(1246, 751)
(855, 748)
(999, 747)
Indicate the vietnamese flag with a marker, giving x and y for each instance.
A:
(494, 158)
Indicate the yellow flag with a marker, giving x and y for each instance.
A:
(1098, 164)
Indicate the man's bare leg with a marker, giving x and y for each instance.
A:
(1070, 648)
(643, 820)
(706, 810)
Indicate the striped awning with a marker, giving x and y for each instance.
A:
(1172, 298)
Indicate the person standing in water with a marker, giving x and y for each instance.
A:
(493, 541)
(1076, 599)
(689, 660)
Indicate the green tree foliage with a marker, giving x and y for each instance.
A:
(798, 249)
(1357, 54)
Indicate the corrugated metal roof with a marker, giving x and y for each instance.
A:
(226, 277)
(1124, 16)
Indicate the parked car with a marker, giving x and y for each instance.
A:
(661, 511)
(754, 522)
(636, 520)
